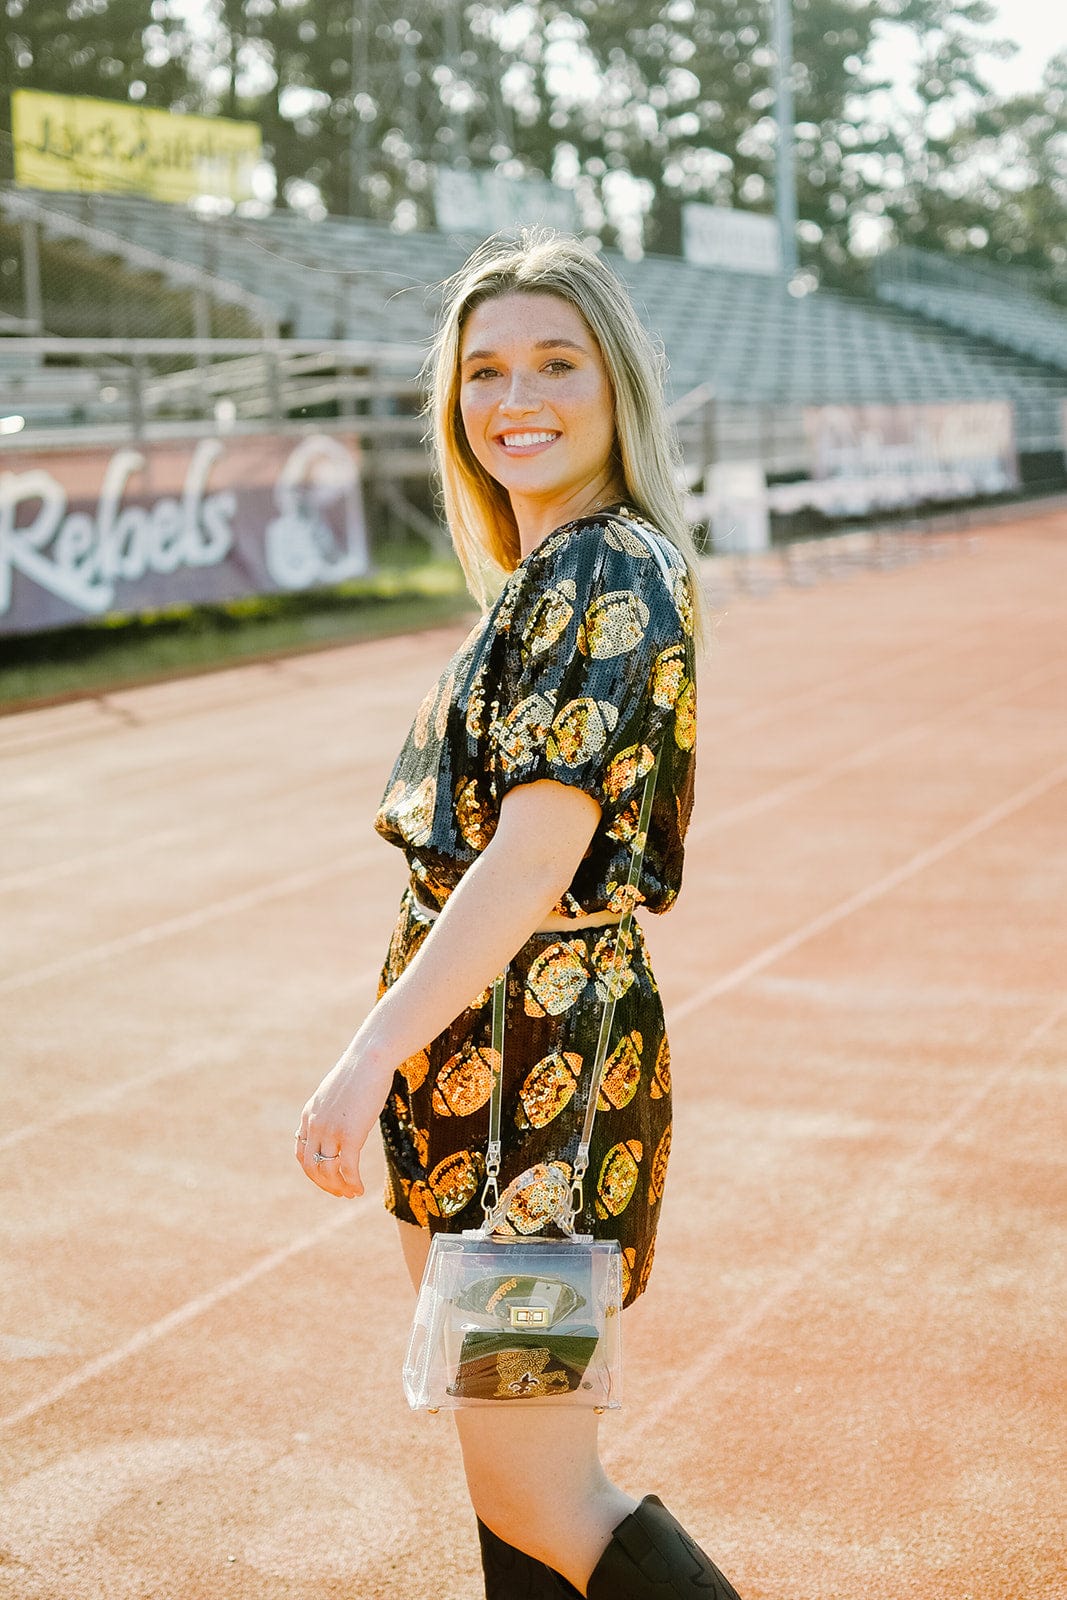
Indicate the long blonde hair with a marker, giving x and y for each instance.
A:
(477, 508)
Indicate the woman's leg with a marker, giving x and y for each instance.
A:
(535, 1478)
(510, 1574)
(537, 1483)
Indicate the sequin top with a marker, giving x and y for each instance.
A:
(583, 667)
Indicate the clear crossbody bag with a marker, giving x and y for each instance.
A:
(535, 1320)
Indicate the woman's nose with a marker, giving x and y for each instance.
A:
(519, 396)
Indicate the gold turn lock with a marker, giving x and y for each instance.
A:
(530, 1316)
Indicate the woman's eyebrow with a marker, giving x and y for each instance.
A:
(542, 344)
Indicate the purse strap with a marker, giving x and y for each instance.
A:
(491, 1192)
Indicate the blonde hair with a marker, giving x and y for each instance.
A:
(477, 508)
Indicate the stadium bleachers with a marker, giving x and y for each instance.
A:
(1017, 322)
(757, 345)
(1005, 306)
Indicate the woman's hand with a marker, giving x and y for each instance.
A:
(334, 1126)
(543, 833)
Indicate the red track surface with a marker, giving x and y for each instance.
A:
(848, 1374)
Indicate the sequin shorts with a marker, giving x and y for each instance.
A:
(435, 1125)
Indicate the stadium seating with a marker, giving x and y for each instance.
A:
(764, 351)
(1002, 305)
(1016, 322)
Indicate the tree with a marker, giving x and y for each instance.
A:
(638, 105)
(114, 49)
(361, 101)
(995, 186)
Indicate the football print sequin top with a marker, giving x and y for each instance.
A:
(581, 670)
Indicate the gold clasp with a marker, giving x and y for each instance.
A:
(530, 1317)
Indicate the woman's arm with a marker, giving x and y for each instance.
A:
(542, 835)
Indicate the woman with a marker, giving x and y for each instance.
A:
(515, 800)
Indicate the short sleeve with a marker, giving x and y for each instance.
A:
(597, 662)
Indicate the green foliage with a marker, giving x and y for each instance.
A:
(113, 49)
(116, 652)
(996, 187)
(662, 100)
(360, 99)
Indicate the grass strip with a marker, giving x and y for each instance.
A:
(120, 652)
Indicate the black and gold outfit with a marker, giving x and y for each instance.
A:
(581, 672)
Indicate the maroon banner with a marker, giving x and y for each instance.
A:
(114, 530)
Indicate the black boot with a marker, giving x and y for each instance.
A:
(510, 1574)
(651, 1557)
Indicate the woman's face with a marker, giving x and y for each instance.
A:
(535, 398)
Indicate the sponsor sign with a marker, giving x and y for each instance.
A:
(738, 241)
(117, 530)
(75, 142)
(487, 202)
(863, 458)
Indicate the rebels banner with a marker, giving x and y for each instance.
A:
(117, 530)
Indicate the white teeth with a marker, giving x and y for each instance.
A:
(521, 441)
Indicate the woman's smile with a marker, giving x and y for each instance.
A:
(526, 443)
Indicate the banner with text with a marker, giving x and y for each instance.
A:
(737, 241)
(479, 201)
(117, 530)
(866, 457)
(74, 142)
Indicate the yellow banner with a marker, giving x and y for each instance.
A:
(74, 142)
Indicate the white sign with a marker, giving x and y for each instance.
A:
(866, 456)
(738, 241)
(488, 202)
(737, 507)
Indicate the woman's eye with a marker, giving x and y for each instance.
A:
(559, 365)
(483, 372)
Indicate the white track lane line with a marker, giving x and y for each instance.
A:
(183, 1314)
(49, 871)
(877, 1208)
(807, 782)
(178, 1318)
(260, 804)
(873, 891)
(100, 1099)
(82, 959)
(879, 672)
(299, 881)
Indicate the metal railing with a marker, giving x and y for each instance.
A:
(206, 288)
(110, 391)
(910, 264)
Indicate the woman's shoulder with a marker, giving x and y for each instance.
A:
(600, 566)
(616, 544)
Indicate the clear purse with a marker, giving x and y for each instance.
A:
(524, 1320)
(527, 1320)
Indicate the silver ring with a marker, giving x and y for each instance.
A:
(301, 1138)
(318, 1156)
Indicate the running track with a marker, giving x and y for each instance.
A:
(848, 1374)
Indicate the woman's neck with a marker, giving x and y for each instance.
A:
(536, 518)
